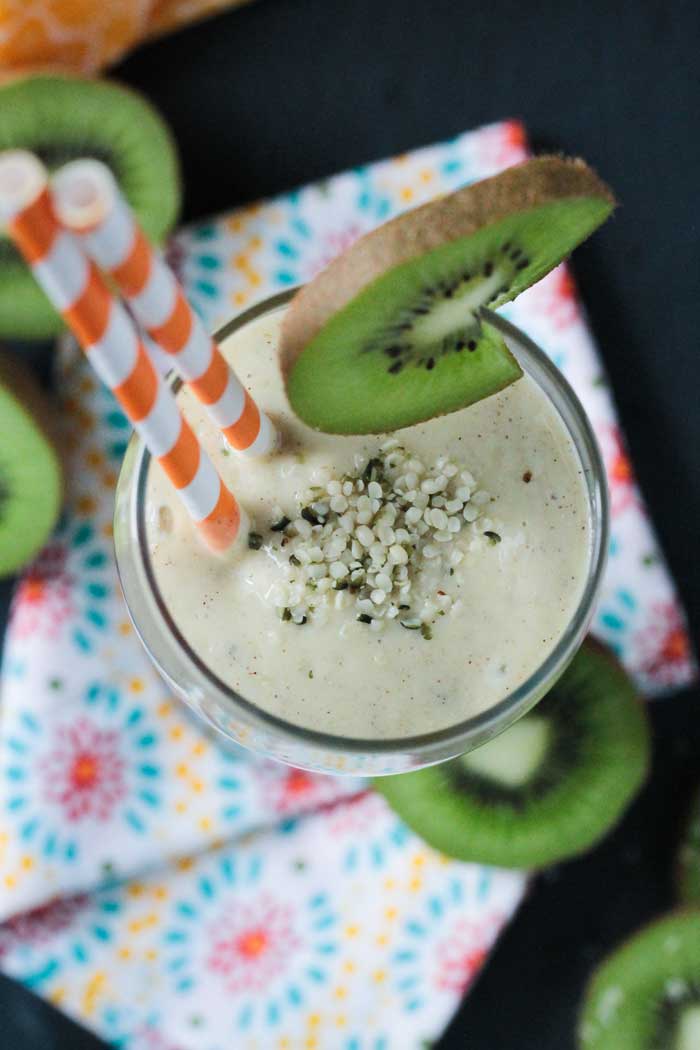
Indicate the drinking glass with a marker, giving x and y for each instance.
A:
(239, 720)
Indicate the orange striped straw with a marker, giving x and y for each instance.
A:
(88, 202)
(108, 336)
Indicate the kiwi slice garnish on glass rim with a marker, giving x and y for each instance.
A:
(390, 333)
(646, 995)
(63, 117)
(31, 477)
(548, 787)
(689, 859)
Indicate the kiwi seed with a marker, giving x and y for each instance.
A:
(375, 341)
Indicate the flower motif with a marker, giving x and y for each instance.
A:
(40, 925)
(42, 945)
(249, 949)
(653, 642)
(44, 600)
(666, 654)
(461, 954)
(64, 777)
(287, 791)
(85, 772)
(372, 831)
(147, 1037)
(447, 935)
(123, 1026)
(67, 589)
(554, 298)
(297, 257)
(266, 948)
(333, 244)
(514, 136)
(234, 785)
(618, 467)
(499, 146)
(615, 620)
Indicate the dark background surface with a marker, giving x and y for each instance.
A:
(286, 91)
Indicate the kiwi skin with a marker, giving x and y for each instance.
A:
(535, 182)
(16, 377)
(21, 81)
(19, 383)
(624, 1006)
(688, 868)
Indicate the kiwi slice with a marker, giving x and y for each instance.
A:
(390, 333)
(549, 786)
(689, 859)
(61, 118)
(31, 478)
(646, 995)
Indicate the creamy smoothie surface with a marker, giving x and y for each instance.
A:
(390, 586)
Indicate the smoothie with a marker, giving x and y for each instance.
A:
(390, 585)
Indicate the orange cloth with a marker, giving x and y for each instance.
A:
(86, 35)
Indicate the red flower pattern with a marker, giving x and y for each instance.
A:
(85, 773)
(618, 466)
(149, 1038)
(41, 924)
(251, 945)
(335, 243)
(502, 146)
(462, 953)
(665, 647)
(43, 601)
(288, 790)
(357, 816)
(556, 298)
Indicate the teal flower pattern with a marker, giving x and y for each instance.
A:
(69, 775)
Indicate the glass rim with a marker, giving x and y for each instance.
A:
(483, 724)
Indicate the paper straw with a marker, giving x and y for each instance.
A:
(88, 202)
(107, 334)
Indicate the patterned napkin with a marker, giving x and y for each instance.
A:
(204, 899)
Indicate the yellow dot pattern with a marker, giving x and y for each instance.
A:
(248, 276)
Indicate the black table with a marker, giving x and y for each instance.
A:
(290, 90)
